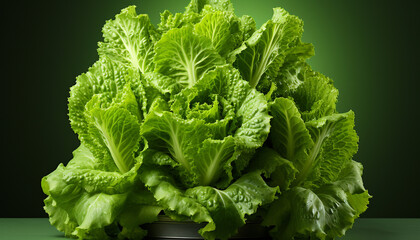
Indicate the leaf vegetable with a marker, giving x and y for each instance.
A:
(206, 118)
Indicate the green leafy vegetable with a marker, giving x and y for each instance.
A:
(208, 119)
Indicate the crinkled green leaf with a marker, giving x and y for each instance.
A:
(104, 77)
(289, 135)
(223, 29)
(59, 217)
(338, 147)
(129, 40)
(359, 202)
(229, 207)
(172, 198)
(83, 200)
(223, 210)
(248, 26)
(277, 170)
(197, 6)
(114, 133)
(180, 138)
(291, 76)
(322, 213)
(185, 56)
(215, 157)
(170, 21)
(268, 47)
(95, 212)
(321, 130)
(315, 97)
(163, 83)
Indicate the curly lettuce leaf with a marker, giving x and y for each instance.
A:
(316, 97)
(336, 142)
(316, 148)
(211, 123)
(104, 77)
(172, 198)
(84, 201)
(289, 135)
(277, 170)
(129, 40)
(113, 133)
(268, 47)
(197, 6)
(224, 211)
(249, 106)
(223, 29)
(322, 213)
(185, 56)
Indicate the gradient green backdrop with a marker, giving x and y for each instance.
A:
(368, 47)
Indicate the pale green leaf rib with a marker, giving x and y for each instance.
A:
(185, 56)
(320, 130)
(104, 77)
(222, 28)
(128, 40)
(338, 150)
(215, 156)
(117, 130)
(289, 135)
(267, 48)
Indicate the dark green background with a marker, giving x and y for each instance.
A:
(370, 49)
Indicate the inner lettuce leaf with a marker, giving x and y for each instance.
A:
(205, 139)
(206, 118)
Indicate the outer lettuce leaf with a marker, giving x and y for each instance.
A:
(104, 77)
(268, 47)
(85, 201)
(59, 217)
(172, 198)
(140, 208)
(185, 56)
(359, 202)
(322, 213)
(129, 40)
(223, 210)
(113, 133)
(229, 207)
(335, 142)
(326, 194)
